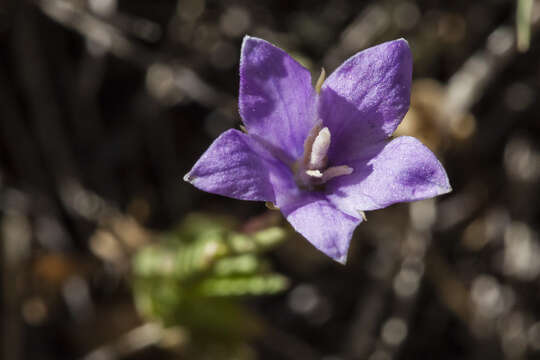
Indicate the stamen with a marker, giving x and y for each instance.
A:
(315, 173)
(318, 159)
(335, 171)
(330, 173)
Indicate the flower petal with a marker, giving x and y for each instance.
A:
(231, 167)
(389, 172)
(324, 226)
(277, 100)
(365, 99)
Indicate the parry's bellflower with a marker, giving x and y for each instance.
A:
(322, 155)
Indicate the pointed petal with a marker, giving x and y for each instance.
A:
(277, 100)
(365, 99)
(231, 167)
(324, 226)
(390, 172)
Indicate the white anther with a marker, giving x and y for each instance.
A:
(318, 159)
(334, 171)
(315, 173)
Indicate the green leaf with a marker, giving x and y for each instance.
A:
(194, 276)
(243, 285)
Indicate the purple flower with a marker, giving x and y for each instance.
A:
(323, 156)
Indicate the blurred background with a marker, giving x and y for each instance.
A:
(107, 254)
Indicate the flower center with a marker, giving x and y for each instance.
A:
(312, 170)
